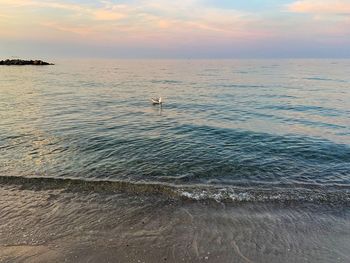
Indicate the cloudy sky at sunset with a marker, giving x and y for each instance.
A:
(175, 29)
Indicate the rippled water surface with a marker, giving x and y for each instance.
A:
(247, 161)
(235, 125)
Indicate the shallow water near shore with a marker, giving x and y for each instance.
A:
(82, 226)
(247, 160)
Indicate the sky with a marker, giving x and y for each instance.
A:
(175, 29)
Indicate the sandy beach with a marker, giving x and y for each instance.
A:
(59, 225)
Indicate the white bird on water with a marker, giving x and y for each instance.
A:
(157, 101)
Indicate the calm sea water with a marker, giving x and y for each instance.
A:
(228, 129)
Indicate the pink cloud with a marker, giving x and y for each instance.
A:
(320, 7)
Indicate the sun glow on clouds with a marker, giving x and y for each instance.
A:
(321, 7)
(108, 15)
(143, 17)
(165, 23)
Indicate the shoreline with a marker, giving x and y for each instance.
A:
(189, 192)
(59, 225)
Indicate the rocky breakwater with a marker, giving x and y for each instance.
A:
(21, 62)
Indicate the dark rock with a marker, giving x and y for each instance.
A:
(21, 62)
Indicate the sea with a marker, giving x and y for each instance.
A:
(245, 161)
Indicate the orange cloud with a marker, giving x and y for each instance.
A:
(108, 15)
(164, 23)
(150, 21)
(321, 7)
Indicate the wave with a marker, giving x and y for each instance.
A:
(197, 192)
(326, 79)
(166, 81)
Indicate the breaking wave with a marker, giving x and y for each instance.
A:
(196, 192)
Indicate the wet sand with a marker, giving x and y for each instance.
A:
(60, 225)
